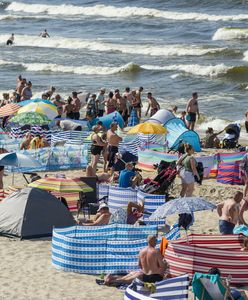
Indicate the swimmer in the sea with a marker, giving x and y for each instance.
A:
(10, 41)
(44, 34)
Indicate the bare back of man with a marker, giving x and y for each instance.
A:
(229, 212)
(151, 262)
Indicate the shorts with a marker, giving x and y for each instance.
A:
(76, 115)
(78, 128)
(9, 42)
(187, 176)
(191, 117)
(152, 278)
(226, 227)
(125, 117)
(96, 150)
(111, 157)
(100, 112)
(70, 115)
(153, 111)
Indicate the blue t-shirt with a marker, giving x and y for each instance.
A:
(125, 178)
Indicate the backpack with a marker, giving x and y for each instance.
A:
(200, 170)
(185, 220)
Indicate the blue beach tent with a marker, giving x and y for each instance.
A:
(108, 119)
(178, 132)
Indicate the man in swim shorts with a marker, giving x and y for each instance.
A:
(192, 110)
(151, 262)
(229, 213)
(10, 40)
(44, 34)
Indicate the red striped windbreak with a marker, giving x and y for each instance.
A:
(201, 252)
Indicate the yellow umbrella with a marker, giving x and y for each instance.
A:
(48, 110)
(148, 128)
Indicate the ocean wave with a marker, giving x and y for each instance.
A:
(4, 4)
(227, 33)
(86, 69)
(245, 56)
(193, 69)
(202, 70)
(95, 45)
(120, 12)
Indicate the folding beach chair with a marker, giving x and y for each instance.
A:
(168, 289)
(210, 287)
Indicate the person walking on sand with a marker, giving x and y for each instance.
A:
(44, 34)
(229, 213)
(188, 172)
(113, 140)
(10, 40)
(192, 110)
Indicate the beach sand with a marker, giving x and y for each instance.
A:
(26, 271)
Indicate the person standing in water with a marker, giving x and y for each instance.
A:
(10, 40)
(192, 110)
(44, 34)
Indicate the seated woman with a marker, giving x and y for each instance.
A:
(211, 140)
(235, 293)
(101, 218)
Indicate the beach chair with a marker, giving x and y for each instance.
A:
(168, 289)
(210, 287)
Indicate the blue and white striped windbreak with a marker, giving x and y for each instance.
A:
(168, 289)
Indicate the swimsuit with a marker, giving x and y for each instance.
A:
(111, 157)
(96, 149)
(191, 117)
(152, 278)
(226, 227)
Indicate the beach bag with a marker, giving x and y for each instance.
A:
(185, 220)
(200, 170)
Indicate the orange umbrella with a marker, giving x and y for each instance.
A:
(9, 109)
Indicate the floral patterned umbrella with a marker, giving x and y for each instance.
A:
(180, 206)
(30, 118)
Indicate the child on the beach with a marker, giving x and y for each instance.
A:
(245, 245)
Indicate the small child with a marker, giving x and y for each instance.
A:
(245, 245)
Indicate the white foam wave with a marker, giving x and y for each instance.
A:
(216, 124)
(117, 12)
(85, 69)
(245, 56)
(95, 45)
(230, 34)
(199, 70)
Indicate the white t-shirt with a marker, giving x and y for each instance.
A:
(67, 125)
(100, 98)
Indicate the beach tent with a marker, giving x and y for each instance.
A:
(32, 213)
(108, 119)
(162, 116)
(178, 132)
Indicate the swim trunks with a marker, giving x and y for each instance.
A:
(191, 117)
(96, 149)
(152, 278)
(111, 157)
(226, 227)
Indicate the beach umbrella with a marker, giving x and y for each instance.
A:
(41, 108)
(26, 102)
(30, 118)
(16, 159)
(180, 206)
(148, 128)
(9, 109)
(61, 185)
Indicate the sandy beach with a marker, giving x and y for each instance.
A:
(27, 273)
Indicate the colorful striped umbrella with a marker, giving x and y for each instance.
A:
(9, 109)
(48, 110)
(26, 102)
(30, 118)
(61, 185)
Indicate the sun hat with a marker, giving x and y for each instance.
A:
(102, 205)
